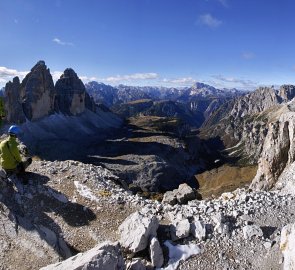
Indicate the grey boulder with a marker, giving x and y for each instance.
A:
(106, 256)
(136, 231)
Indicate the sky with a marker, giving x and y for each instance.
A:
(224, 43)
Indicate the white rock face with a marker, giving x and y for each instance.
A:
(104, 256)
(198, 230)
(136, 231)
(136, 264)
(287, 246)
(185, 193)
(180, 229)
(277, 154)
(156, 253)
(252, 230)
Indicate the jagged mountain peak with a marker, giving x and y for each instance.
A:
(39, 65)
(69, 73)
(199, 85)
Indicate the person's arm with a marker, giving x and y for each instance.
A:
(15, 152)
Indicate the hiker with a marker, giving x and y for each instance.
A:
(10, 156)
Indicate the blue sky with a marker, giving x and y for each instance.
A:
(225, 43)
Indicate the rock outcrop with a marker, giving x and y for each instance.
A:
(278, 152)
(13, 102)
(137, 230)
(287, 246)
(104, 256)
(182, 195)
(242, 124)
(38, 93)
(36, 96)
(70, 93)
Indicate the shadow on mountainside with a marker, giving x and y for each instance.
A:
(30, 209)
(143, 154)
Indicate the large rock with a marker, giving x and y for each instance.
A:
(278, 152)
(287, 246)
(71, 93)
(156, 253)
(170, 197)
(137, 230)
(136, 264)
(37, 92)
(198, 230)
(106, 256)
(179, 229)
(13, 102)
(185, 193)
(182, 195)
(252, 230)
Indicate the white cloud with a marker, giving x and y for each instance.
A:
(131, 77)
(63, 43)
(56, 75)
(248, 55)
(209, 20)
(229, 82)
(87, 79)
(187, 81)
(7, 74)
(224, 2)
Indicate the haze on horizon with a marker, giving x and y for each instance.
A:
(224, 43)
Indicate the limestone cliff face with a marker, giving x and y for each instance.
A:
(278, 152)
(70, 93)
(13, 102)
(244, 122)
(38, 92)
(261, 99)
(36, 96)
(287, 92)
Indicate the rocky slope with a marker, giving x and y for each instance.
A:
(278, 151)
(71, 207)
(242, 124)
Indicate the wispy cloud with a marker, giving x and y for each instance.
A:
(87, 79)
(7, 74)
(57, 74)
(131, 77)
(209, 20)
(228, 82)
(187, 81)
(248, 55)
(63, 43)
(224, 3)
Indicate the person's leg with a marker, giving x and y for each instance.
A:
(26, 163)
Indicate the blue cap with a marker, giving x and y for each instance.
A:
(14, 130)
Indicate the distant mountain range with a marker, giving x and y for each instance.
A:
(110, 95)
(191, 104)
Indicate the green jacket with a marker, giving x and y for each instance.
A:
(9, 153)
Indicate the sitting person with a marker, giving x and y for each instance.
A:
(10, 157)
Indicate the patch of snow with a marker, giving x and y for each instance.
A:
(85, 192)
(230, 154)
(178, 253)
(235, 146)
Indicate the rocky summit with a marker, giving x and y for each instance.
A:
(75, 209)
(110, 192)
